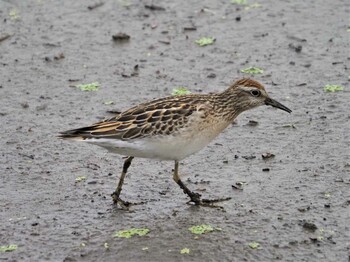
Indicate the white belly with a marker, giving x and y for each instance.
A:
(171, 147)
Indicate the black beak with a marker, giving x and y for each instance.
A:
(274, 103)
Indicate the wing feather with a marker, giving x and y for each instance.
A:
(158, 117)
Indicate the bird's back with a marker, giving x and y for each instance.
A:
(169, 128)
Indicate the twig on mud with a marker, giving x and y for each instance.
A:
(4, 37)
(120, 37)
(154, 8)
(92, 7)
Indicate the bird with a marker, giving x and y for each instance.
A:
(172, 128)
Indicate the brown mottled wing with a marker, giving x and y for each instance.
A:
(158, 117)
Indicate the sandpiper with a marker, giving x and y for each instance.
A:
(173, 128)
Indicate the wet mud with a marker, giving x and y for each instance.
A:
(287, 174)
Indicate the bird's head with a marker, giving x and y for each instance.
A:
(248, 93)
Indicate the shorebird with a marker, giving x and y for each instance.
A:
(173, 128)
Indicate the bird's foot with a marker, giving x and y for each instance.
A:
(196, 199)
(212, 202)
(125, 205)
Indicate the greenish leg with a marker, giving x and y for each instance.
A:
(116, 193)
(195, 197)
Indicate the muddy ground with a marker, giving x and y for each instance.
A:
(297, 209)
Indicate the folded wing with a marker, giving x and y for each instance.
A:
(159, 117)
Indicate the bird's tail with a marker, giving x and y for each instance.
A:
(78, 134)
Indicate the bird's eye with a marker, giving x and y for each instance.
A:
(255, 93)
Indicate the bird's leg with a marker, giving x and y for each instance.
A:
(116, 193)
(195, 197)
